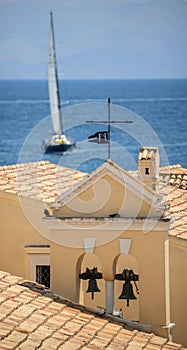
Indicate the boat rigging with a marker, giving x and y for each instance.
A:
(58, 142)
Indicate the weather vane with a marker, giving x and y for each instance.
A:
(104, 136)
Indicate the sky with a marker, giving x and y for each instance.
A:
(95, 39)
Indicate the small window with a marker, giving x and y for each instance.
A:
(147, 171)
(43, 275)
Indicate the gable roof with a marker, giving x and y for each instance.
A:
(111, 168)
(33, 318)
(47, 181)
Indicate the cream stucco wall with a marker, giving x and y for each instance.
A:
(100, 198)
(178, 286)
(108, 196)
(148, 251)
(16, 232)
(147, 255)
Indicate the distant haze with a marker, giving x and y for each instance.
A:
(95, 39)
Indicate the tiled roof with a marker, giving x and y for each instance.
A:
(38, 180)
(33, 318)
(176, 177)
(178, 209)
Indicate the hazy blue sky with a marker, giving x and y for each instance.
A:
(94, 38)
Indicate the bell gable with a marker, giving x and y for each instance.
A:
(108, 192)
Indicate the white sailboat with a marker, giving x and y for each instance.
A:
(58, 142)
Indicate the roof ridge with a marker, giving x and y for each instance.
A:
(174, 167)
(69, 194)
(20, 165)
(130, 174)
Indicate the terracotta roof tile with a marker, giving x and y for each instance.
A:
(31, 318)
(39, 180)
(178, 209)
(175, 178)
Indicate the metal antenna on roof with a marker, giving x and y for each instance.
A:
(104, 136)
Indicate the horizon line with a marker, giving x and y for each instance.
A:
(74, 79)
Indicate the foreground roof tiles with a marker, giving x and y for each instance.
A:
(33, 318)
(38, 180)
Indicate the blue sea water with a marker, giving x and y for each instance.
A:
(158, 109)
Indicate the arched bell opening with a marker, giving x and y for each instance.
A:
(123, 290)
(91, 290)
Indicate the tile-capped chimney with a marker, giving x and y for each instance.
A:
(148, 166)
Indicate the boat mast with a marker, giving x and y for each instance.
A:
(109, 128)
(53, 83)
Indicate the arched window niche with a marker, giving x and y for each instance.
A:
(90, 260)
(121, 262)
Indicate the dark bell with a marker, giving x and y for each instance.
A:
(92, 287)
(127, 292)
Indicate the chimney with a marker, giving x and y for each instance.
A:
(148, 166)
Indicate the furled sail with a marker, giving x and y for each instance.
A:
(53, 84)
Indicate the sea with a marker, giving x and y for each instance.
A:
(141, 113)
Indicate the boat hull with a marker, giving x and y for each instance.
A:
(58, 143)
(59, 148)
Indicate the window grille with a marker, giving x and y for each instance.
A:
(43, 275)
